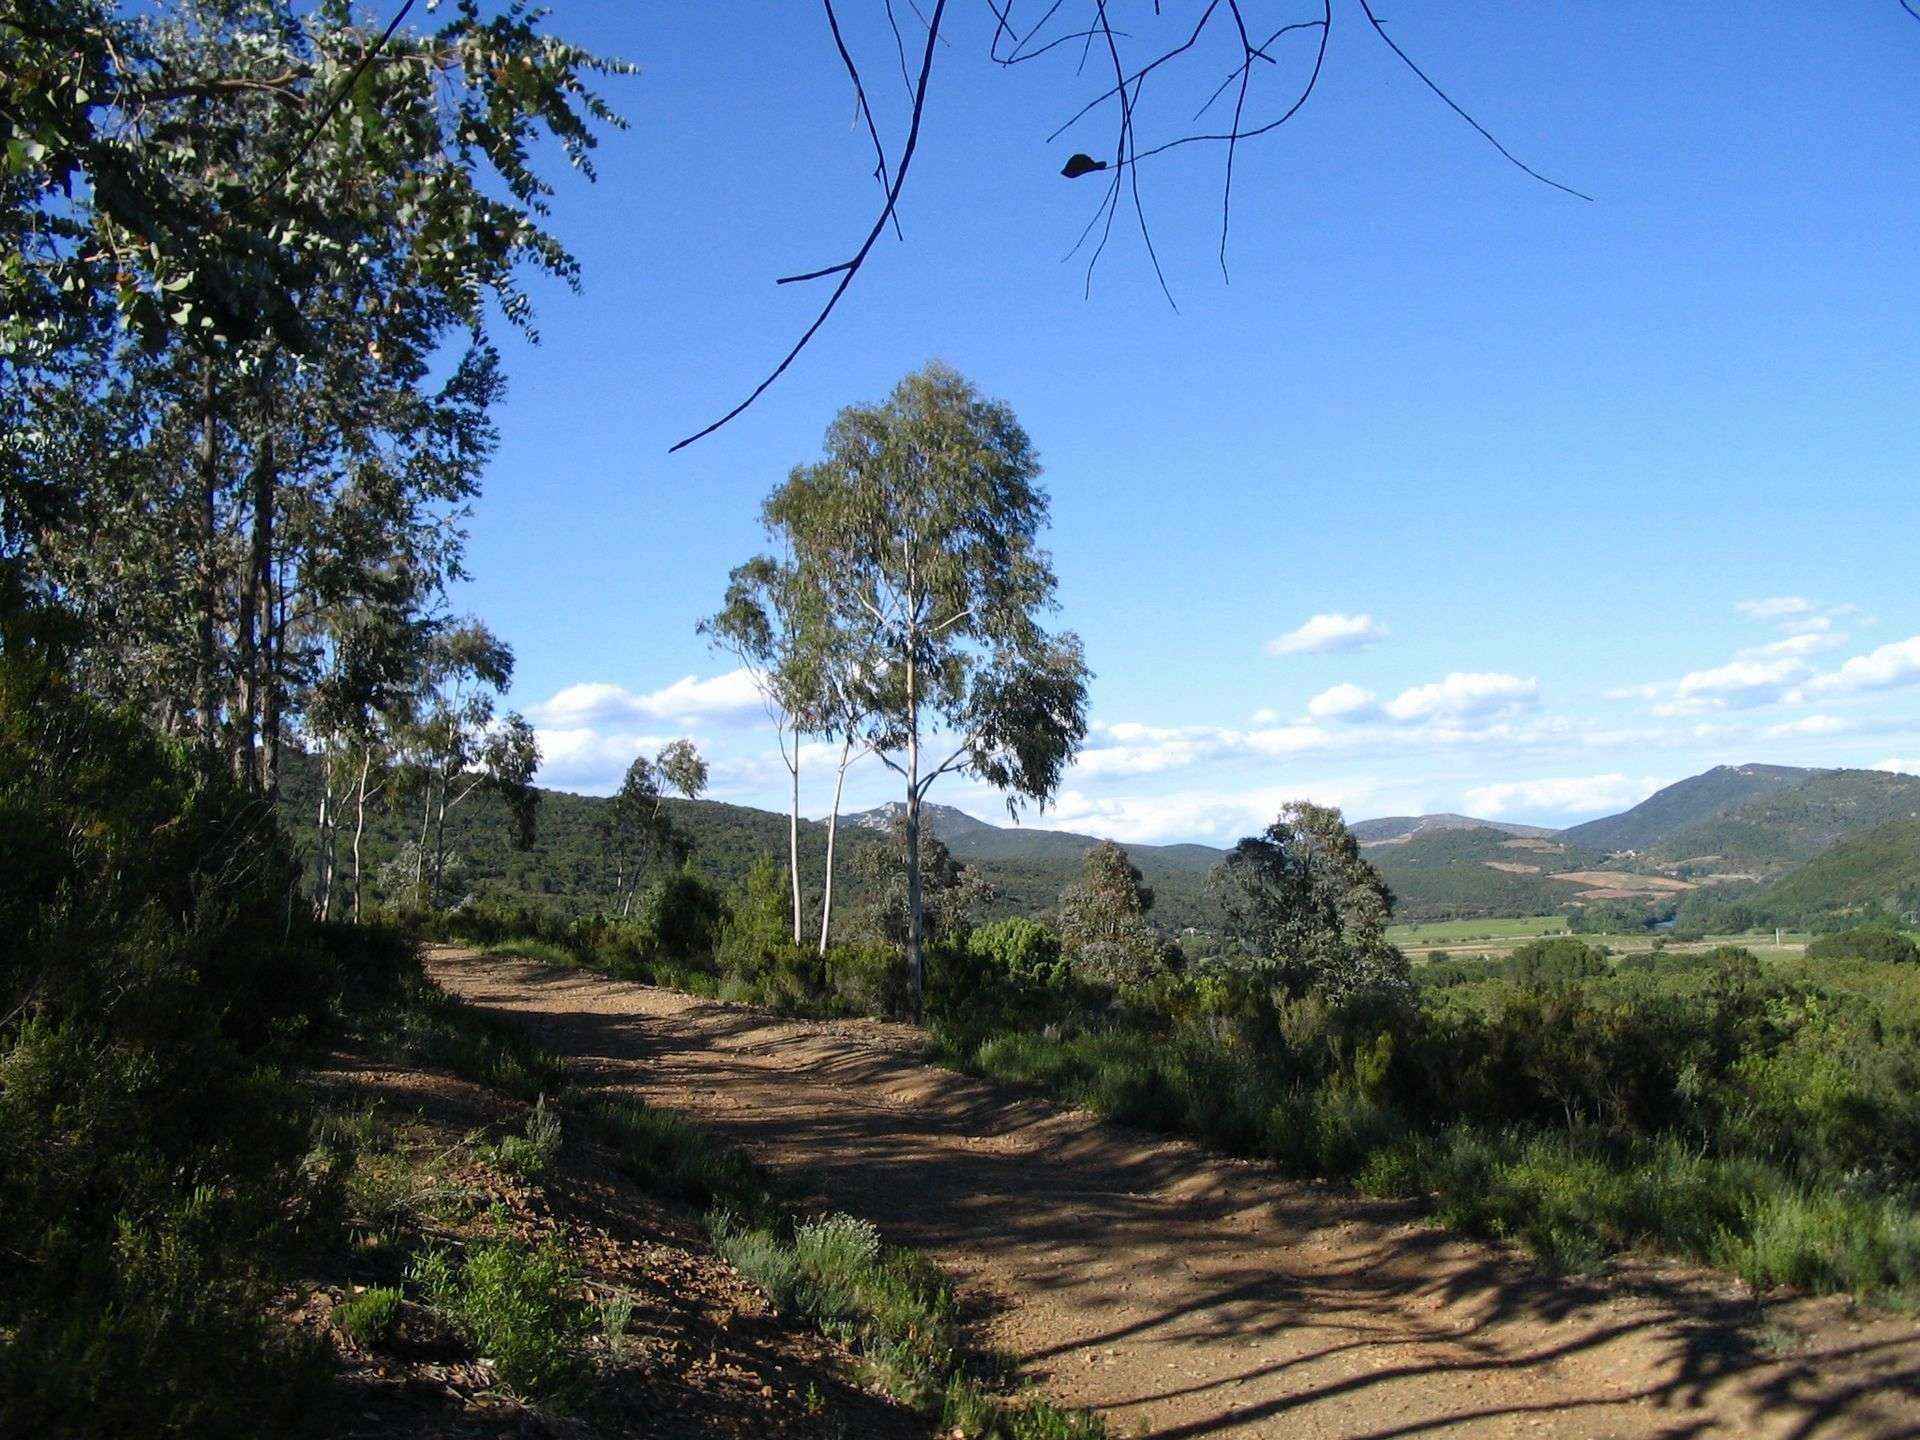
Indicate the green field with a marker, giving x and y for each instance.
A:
(1486, 938)
(1475, 932)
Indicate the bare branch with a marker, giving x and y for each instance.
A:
(866, 246)
(866, 111)
(1366, 8)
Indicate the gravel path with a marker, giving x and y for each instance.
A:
(1183, 1294)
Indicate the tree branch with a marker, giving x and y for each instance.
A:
(866, 246)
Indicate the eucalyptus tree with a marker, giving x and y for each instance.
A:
(846, 707)
(374, 657)
(1305, 910)
(638, 826)
(774, 621)
(306, 225)
(1104, 930)
(921, 527)
(461, 750)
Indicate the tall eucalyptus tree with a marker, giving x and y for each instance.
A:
(920, 526)
(774, 622)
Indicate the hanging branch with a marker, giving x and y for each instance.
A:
(1090, 22)
(849, 268)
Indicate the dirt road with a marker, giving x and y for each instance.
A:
(1186, 1295)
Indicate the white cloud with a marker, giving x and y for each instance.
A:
(1764, 674)
(1128, 748)
(580, 757)
(1464, 695)
(1898, 766)
(1341, 702)
(1776, 607)
(589, 733)
(1809, 725)
(1813, 640)
(1886, 668)
(1327, 633)
(686, 699)
(1738, 685)
(1570, 795)
(1205, 814)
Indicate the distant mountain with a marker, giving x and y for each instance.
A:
(1031, 866)
(970, 838)
(1818, 839)
(1474, 872)
(1683, 805)
(1877, 868)
(1787, 826)
(1397, 829)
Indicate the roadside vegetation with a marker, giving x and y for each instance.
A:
(1759, 1117)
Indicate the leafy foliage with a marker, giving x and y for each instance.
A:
(1307, 910)
(1880, 944)
(1105, 935)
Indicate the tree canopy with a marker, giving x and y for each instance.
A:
(1305, 909)
(920, 529)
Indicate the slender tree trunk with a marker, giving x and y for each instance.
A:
(248, 617)
(359, 826)
(271, 706)
(833, 825)
(207, 681)
(319, 853)
(420, 851)
(793, 838)
(916, 943)
(322, 870)
(439, 844)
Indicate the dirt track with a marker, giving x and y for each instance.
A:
(1186, 1295)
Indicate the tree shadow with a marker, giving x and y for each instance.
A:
(1200, 1295)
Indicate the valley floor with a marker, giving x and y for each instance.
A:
(1189, 1295)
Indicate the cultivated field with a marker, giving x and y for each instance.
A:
(1487, 938)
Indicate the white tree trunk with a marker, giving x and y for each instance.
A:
(359, 826)
(916, 945)
(793, 838)
(833, 826)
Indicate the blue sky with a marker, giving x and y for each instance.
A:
(1598, 495)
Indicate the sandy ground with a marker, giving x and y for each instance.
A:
(1183, 1294)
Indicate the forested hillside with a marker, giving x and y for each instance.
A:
(1877, 869)
(1389, 828)
(1683, 804)
(568, 867)
(1790, 824)
(1474, 873)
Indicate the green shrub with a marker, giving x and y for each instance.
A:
(1558, 961)
(369, 1318)
(154, 989)
(1879, 943)
(1020, 951)
(531, 1155)
(682, 913)
(868, 979)
(1829, 1241)
(665, 1156)
(515, 1305)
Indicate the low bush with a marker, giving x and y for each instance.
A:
(1879, 943)
(531, 1155)
(666, 1156)
(1554, 1097)
(158, 988)
(516, 1305)
(369, 1318)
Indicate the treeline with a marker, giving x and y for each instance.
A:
(252, 255)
